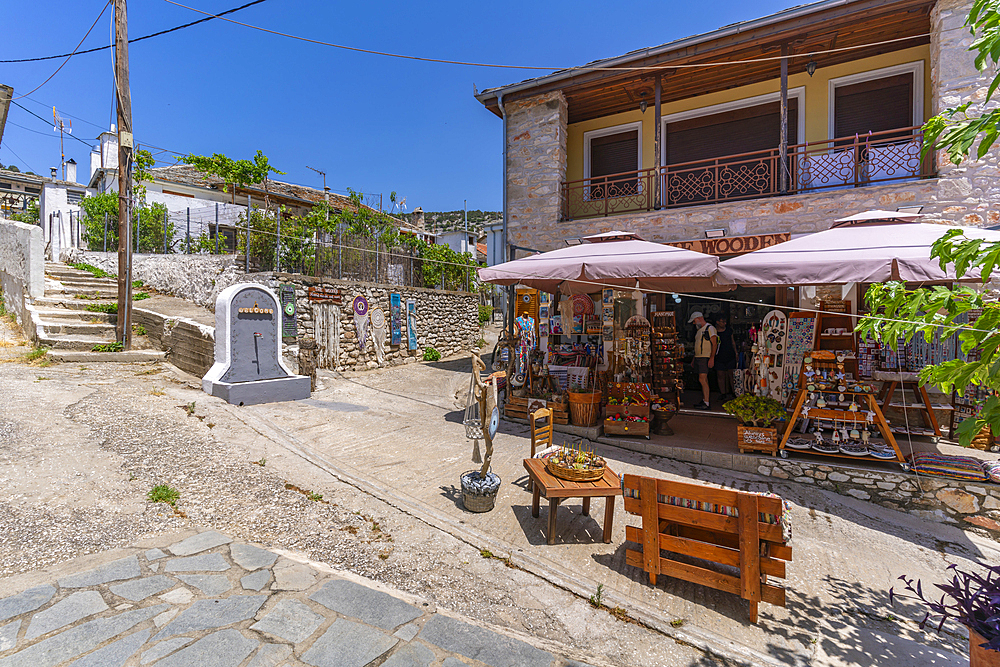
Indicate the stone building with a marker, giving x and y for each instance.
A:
(676, 149)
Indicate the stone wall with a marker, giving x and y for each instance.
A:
(22, 267)
(190, 346)
(934, 498)
(197, 278)
(536, 163)
(446, 321)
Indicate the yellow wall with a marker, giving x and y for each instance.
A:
(816, 104)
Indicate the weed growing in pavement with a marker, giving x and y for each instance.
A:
(136, 284)
(485, 553)
(315, 497)
(384, 556)
(430, 354)
(677, 622)
(210, 425)
(157, 392)
(139, 296)
(37, 356)
(86, 296)
(189, 408)
(138, 330)
(596, 599)
(162, 493)
(40, 378)
(151, 371)
(262, 462)
(108, 347)
(110, 308)
(93, 270)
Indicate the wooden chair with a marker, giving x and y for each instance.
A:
(541, 435)
(732, 528)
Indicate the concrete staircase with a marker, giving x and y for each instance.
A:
(61, 322)
(61, 318)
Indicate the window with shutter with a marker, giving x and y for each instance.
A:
(613, 160)
(873, 106)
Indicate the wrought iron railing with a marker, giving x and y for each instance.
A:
(848, 162)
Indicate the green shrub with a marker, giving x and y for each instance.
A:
(139, 296)
(430, 354)
(110, 308)
(107, 347)
(485, 314)
(91, 269)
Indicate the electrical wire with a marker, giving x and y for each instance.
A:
(584, 68)
(600, 285)
(28, 129)
(7, 146)
(103, 9)
(46, 122)
(137, 39)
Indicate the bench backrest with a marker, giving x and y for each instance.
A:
(733, 528)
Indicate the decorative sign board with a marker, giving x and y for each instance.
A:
(248, 367)
(733, 245)
(289, 328)
(411, 323)
(395, 317)
(325, 294)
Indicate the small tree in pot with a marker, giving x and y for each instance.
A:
(756, 415)
(972, 599)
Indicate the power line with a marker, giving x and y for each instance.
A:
(137, 39)
(103, 9)
(28, 129)
(7, 146)
(47, 122)
(584, 68)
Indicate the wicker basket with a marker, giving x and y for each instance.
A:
(984, 439)
(478, 503)
(584, 408)
(573, 475)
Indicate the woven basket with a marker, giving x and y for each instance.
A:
(984, 439)
(479, 503)
(573, 475)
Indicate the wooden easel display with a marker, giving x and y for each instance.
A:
(838, 413)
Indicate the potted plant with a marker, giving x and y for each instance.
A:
(480, 487)
(756, 415)
(972, 599)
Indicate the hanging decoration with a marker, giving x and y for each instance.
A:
(377, 318)
(395, 311)
(360, 307)
(411, 323)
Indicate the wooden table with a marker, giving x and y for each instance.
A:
(557, 490)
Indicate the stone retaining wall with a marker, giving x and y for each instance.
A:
(190, 346)
(22, 268)
(446, 321)
(934, 498)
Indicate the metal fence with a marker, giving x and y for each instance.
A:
(264, 241)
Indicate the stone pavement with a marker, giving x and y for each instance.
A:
(201, 599)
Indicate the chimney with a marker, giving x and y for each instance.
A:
(71, 170)
(54, 172)
(418, 217)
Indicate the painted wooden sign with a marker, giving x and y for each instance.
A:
(395, 316)
(324, 294)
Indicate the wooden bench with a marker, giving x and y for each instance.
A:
(732, 528)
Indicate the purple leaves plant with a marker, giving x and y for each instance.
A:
(970, 598)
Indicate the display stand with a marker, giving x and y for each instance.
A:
(802, 411)
(909, 381)
(668, 356)
(840, 326)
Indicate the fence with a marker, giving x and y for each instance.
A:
(265, 241)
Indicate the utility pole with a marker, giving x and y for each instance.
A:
(125, 143)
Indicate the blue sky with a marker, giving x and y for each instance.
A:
(372, 123)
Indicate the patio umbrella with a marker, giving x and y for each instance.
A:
(618, 259)
(854, 251)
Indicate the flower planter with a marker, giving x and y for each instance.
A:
(757, 439)
(479, 495)
(979, 656)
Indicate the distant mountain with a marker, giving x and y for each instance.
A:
(443, 221)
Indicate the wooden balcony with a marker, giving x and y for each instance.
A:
(847, 162)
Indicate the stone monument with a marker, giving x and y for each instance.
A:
(248, 367)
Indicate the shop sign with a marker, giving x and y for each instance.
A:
(733, 245)
(324, 294)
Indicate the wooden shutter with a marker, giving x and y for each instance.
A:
(873, 106)
(614, 153)
(755, 128)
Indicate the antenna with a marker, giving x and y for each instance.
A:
(62, 126)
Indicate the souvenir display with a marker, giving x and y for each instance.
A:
(377, 320)
(667, 354)
(799, 341)
(638, 348)
(773, 341)
(360, 308)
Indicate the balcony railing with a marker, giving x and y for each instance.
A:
(848, 162)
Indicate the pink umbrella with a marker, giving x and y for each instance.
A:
(852, 252)
(613, 259)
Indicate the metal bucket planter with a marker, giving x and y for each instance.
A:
(478, 494)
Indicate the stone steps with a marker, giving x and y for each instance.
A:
(46, 314)
(59, 327)
(73, 341)
(68, 302)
